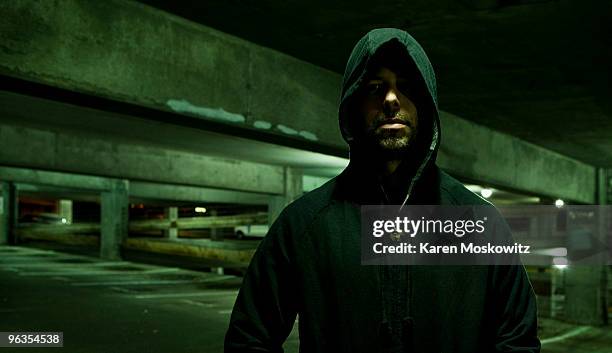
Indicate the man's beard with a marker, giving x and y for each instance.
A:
(390, 141)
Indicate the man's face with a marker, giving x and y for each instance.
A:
(387, 113)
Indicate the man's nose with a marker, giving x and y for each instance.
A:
(391, 103)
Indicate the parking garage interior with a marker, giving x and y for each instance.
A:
(146, 147)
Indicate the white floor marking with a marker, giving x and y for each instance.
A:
(575, 332)
(185, 295)
(151, 282)
(56, 264)
(107, 272)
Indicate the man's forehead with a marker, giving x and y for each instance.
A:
(382, 72)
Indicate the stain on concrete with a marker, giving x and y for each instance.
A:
(260, 124)
(308, 135)
(183, 106)
(302, 133)
(286, 129)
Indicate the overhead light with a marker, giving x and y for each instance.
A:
(64, 220)
(560, 262)
(200, 209)
(486, 192)
(554, 252)
(559, 203)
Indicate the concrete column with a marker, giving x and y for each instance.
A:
(215, 235)
(8, 213)
(557, 292)
(604, 186)
(586, 286)
(585, 295)
(65, 210)
(172, 216)
(114, 220)
(293, 188)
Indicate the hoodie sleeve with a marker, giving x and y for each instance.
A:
(516, 328)
(265, 310)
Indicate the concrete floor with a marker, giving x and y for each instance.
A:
(133, 307)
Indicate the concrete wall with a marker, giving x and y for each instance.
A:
(132, 53)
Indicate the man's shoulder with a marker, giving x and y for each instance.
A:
(454, 192)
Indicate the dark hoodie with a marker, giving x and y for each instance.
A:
(310, 261)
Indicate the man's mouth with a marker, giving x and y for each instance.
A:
(393, 124)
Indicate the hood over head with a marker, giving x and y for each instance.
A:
(400, 50)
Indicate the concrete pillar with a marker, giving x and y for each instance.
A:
(586, 286)
(172, 216)
(604, 186)
(585, 295)
(114, 220)
(293, 188)
(557, 293)
(215, 235)
(65, 210)
(8, 213)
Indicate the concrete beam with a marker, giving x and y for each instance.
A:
(56, 180)
(83, 154)
(169, 192)
(475, 152)
(132, 52)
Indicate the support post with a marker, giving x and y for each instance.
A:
(114, 220)
(215, 235)
(8, 213)
(65, 210)
(293, 188)
(172, 216)
(586, 286)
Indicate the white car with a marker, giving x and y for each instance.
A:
(252, 230)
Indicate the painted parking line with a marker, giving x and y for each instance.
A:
(151, 282)
(57, 262)
(197, 303)
(108, 272)
(574, 332)
(17, 250)
(68, 265)
(186, 295)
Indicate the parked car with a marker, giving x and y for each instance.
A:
(252, 230)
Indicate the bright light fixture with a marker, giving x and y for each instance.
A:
(559, 203)
(486, 192)
(200, 209)
(560, 262)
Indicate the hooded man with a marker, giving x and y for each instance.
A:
(309, 263)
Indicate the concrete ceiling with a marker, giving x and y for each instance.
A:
(536, 69)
